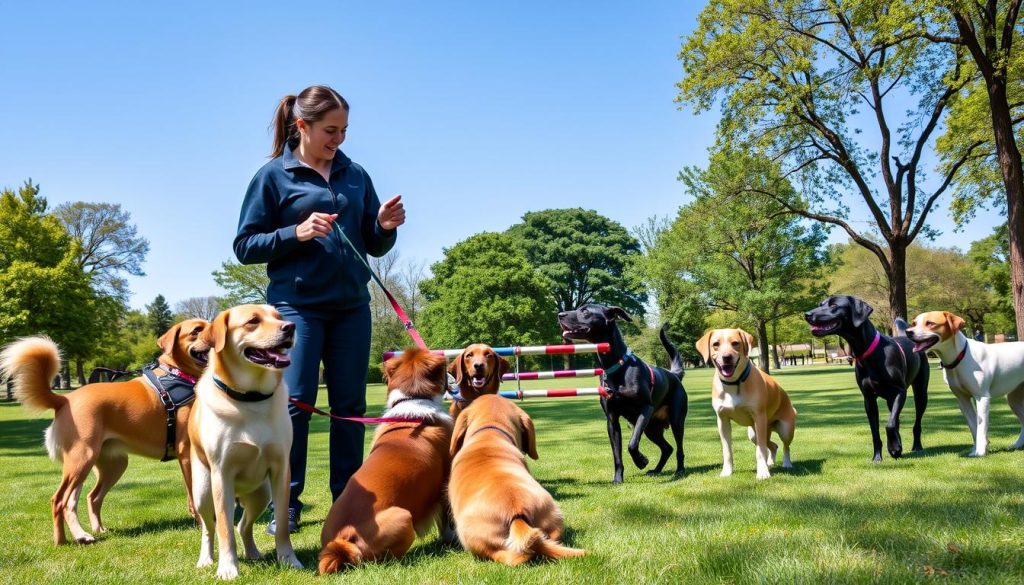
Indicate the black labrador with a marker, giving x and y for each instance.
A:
(650, 398)
(885, 366)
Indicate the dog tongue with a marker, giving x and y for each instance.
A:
(728, 371)
(280, 360)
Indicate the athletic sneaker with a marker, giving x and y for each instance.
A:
(293, 523)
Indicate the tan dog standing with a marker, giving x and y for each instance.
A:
(748, 396)
(97, 425)
(241, 433)
(398, 492)
(477, 370)
(501, 512)
(973, 369)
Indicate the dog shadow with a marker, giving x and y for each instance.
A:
(150, 526)
(800, 467)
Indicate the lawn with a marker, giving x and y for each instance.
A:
(932, 516)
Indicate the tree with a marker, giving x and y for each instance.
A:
(109, 244)
(128, 345)
(989, 258)
(988, 30)
(485, 290)
(585, 257)
(42, 288)
(794, 75)
(159, 315)
(197, 307)
(402, 279)
(746, 254)
(243, 283)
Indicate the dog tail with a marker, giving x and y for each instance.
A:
(31, 363)
(339, 554)
(901, 327)
(673, 353)
(526, 539)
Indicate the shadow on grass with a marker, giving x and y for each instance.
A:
(150, 526)
(23, 435)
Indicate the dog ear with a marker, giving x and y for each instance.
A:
(704, 345)
(388, 369)
(954, 321)
(459, 432)
(503, 365)
(216, 335)
(458, 367)
(748, 339)
(860, 311)
(529, 436)
(619, 313)
(169, 339)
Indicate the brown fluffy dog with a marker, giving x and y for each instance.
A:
(478, 371)
(398, 492)
(501, 512)
(97, 425)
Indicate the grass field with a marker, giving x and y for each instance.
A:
(932, 516)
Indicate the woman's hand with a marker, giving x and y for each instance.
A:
(317, 225)
(392, 213)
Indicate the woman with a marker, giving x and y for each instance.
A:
(316, 279)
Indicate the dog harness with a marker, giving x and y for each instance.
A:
(743, 377)
(175, 389)
(603, 391)
(957, 361)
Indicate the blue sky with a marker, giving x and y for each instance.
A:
(475, 112)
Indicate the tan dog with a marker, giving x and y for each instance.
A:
(398, 492)
(477, 371)
(742, 393)
(97, 425)
(241, 433)
(501, 512)
(973, 369)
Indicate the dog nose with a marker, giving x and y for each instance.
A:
(807, 316)
(288, 327)
(478, 367)
(562, 314)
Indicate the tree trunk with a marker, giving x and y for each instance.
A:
(1013, 181)
(897, 275)
(80, 370)
(65, 376)
(762, 344)
(775, 347)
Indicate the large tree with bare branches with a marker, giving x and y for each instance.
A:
(820, 87)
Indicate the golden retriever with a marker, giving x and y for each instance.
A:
(97, 425)
(241, 433)
(477, 370)
(501, 512)
(399, 490)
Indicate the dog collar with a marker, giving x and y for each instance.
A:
(627, 357)
(957, 361)
(177, 373)
(240, 396)
(743, 377)
(496, 428)
(871, 348)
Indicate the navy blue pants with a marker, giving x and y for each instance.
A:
(341, 340)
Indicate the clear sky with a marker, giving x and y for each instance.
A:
(476, 112)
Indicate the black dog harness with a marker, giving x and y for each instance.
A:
(175, 389)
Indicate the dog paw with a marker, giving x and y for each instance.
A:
(85, 538)
(877, 458)
(204, 561)
(763, 474)
(289, 559)
(227, 572)
(976, 453)
(252, 554)
(726, 472)
(640, 460)
(617, 479)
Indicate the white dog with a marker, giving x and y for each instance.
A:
(975, 370)
(241, 433)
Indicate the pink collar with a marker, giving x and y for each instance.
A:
(871, 348)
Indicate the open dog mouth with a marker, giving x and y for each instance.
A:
(573, 332)
(478, 380)
(274, 357)
(924, 343)
(200, 357)
(824, 327)
(726, 370)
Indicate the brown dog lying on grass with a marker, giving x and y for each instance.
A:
(97, 425)
(398, 492)
(501, 512)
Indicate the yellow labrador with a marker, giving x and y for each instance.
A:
(241, 433)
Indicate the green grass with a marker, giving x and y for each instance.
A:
(837, 517)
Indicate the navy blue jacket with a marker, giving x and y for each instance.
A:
(323, 272)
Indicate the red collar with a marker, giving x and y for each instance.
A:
(871, 348)
(177, 373)
(957, 361)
